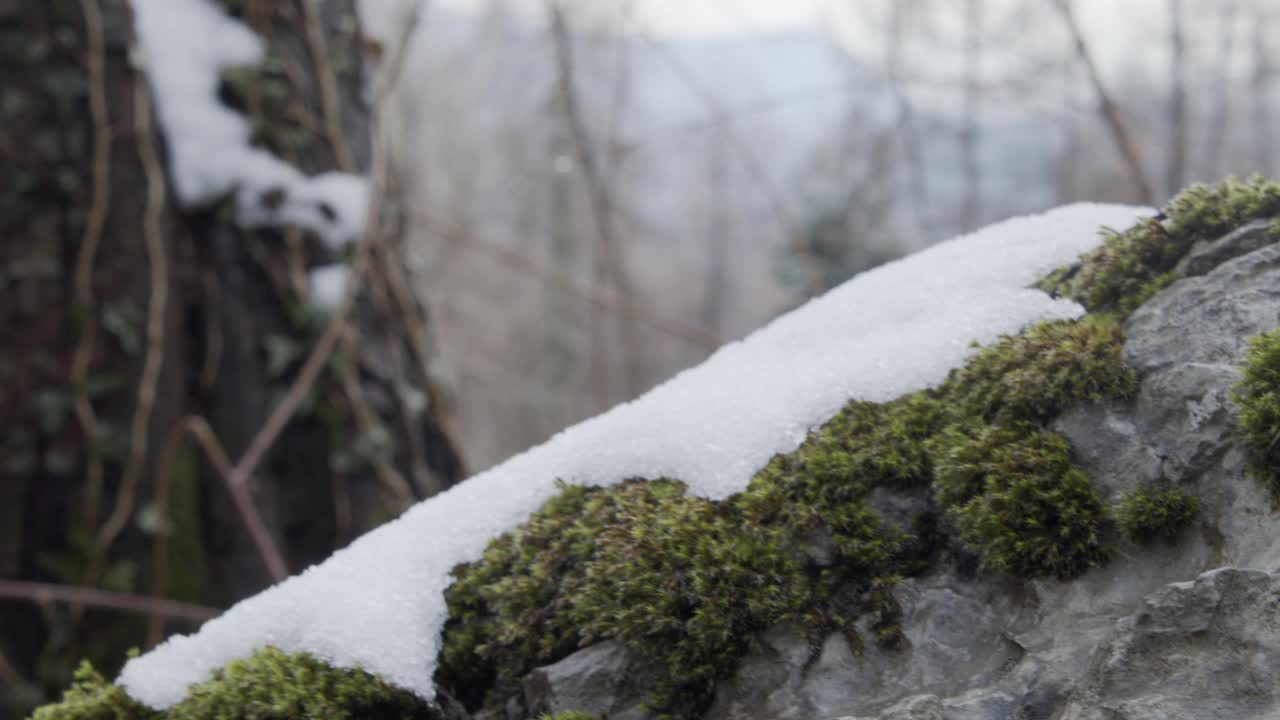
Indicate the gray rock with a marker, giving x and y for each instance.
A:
(916, 707)
(1209, 319)
(603, 679)
(1209, 648)
(1204, 257)
(956, 631)
(1160, 632)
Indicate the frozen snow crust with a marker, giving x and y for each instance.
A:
(186, 45)
(379, 604)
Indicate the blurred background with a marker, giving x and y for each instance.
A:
(582, 198)
(603, 192)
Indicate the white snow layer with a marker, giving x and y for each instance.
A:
(328, 284)
(379, 604)
(186, 45)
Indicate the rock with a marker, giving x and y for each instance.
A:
(1209, 648)
(1162, 632)
(604, 680)
(917, 707)
(1207, 320)
(956, 634)
(986, 648)
(1245, 239)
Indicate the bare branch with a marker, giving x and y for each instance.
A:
(610, 302)
(90, 597)
(1176, 170)
(1110, 112)
(157, 305)
(99, 206)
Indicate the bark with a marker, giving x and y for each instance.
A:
(126, 312)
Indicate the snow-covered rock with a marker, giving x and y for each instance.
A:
(379, 603)
(1166, 632)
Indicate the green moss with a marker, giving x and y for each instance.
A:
(1133, 265)
(270, 685)
(1036, 375)
(1153, 513)
(274, 685)
(1028, 512)
(91, 697)
(571, 715)
(1257, 396)
(689, 582)
(681, 579)
(969, 457)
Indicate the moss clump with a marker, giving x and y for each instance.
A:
(1257, 395)
(570, 715)
(1036, 375)
(1133, 265)
(1018, 502)
(689, 582)
(274, 685)
(1153, 513)
(682, 579)
(270, 685)
(91, 697)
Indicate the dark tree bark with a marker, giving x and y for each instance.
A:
(130, 319)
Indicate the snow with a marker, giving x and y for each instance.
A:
(186, 45)
(379, 603)
(328, 283)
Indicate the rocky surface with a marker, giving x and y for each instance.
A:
(1190, 630)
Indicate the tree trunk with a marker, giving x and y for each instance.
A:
(131, 319)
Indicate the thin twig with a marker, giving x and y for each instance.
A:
(43, 593)
(157, 305)
(389, 74)
(199, 429)
(525, 265)
(315, 362)
(607, 258)
(99, 207)
(1110, 112)
(407, 307)
(160, 548)
(366, 421)
(327, 78)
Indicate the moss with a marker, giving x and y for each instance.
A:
(1257, 395)
(91, 697)
(1133, 265)
(274, 685)
(1036, 375)
(270, 685)
(691, 582)
(571, 715)
(1154, 513)
(680, 579)
(1017, 500)
(885, 613)
(688, 582)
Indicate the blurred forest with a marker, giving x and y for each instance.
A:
(572, 205)
(597, 204)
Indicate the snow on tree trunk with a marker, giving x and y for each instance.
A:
(131, 315)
